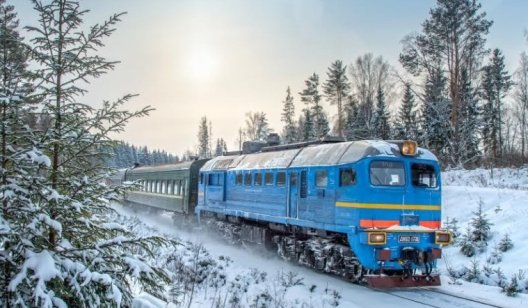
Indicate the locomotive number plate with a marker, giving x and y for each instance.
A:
(409, 239)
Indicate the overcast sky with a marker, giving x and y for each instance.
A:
(221, 59)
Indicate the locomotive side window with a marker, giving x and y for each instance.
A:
(423, 175)
(238, 180)
(387, 173)
(347, 177)
(248, 178)
(321, 178)
(269, 178)
(201, 178)
(258, 179)
(281, 178)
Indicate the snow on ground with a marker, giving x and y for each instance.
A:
(504, 200)
(503, 195)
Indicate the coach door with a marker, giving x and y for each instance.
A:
(293, 201)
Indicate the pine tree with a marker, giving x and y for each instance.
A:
(336, 89)
(480, 226)
(354, 130)
(20, 160)
(315, 117)
(406, 126)
(467, 147)
(305, 126)
(221, 147)
(452, 38)
(203, 139)
(309, 96)
(67, 253)
(435, 116)
(467, 245)
(505, 243)
(381, 127)
(496, 84)
(288, 113)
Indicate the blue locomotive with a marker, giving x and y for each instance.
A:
(364, 210)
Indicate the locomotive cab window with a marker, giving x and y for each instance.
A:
(321, 178)
(281, 178)
(347, 177)
(423, 175)
(387, 173)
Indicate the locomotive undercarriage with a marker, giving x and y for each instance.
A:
(328, 253)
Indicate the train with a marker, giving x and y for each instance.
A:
(368, 211)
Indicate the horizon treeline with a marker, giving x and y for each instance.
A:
(125, 155)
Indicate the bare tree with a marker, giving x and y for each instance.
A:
(521, 100)
(368, 74)
(257, 127)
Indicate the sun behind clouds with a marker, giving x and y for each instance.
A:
(201, 64)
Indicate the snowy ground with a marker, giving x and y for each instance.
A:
(260, 279)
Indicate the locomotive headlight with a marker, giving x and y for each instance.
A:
(377, 238)
(442, 238)
(409, 148)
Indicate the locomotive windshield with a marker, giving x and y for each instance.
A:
(423, 175)
(387, 173)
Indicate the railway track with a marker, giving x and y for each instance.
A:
(432, 297)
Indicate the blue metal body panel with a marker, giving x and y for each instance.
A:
(300, 201)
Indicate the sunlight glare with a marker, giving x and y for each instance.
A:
(201, 64)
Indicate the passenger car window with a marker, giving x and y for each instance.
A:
(423, 175)
(321, 178)
(347, 177)
(387, 173)
(281, 178)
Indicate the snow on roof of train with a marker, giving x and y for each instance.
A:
(178, 166)
(314, 155)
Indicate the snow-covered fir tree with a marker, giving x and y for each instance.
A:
(305, 126)
(405, 126)
(480, 226)
(496, 84)
(337, 89)
(289, 132)
(435, 132)
(453, 38)
(381, 128)
(354, 129)
(221, 147)
(63, 251)
(20, 161)
(505, 243)
(204, 151)
(467, 146)
(312, 99)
